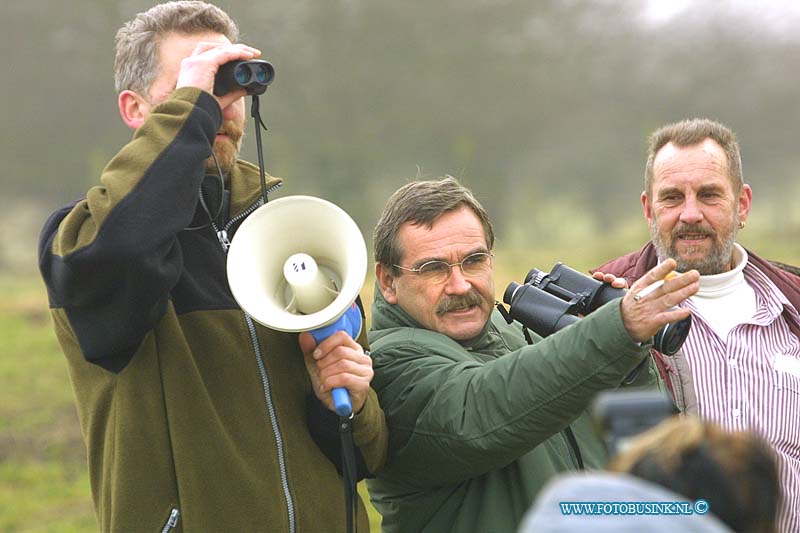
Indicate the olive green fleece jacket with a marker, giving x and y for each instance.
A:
(194, 417)
(476, 428)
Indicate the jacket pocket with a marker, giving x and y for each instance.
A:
(787, 382)
(787, 373)
(172, 520)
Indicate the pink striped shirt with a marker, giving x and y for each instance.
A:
(737, 384)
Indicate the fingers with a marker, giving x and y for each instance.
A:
(614, 281)
(346, 374)
(307, 343)
(204, 46)
(645, 311)
(337, 362)
(200, 68)
(655, 274)
(677, 286)
(674, 314)
(683, 287)
(340, 338)
(339, 353)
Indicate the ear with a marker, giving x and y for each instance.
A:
(133, 108)
(386, 282)
(745, 199)
(647, 208)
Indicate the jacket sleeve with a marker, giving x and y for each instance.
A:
(451, 419)
(370, 432)
(111, 259)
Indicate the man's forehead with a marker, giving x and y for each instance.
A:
(458, 230)
(706, 159)
(704, 149)
(457, 221)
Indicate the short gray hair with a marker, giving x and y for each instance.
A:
(136, 63)
(689, 133)
(422, 203)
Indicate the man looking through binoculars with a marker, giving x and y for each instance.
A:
(195, 418)
(479, 419)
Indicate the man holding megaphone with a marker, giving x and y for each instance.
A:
(195, 416)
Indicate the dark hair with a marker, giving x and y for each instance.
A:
(735, 472)
(422, 203)
(689, 133)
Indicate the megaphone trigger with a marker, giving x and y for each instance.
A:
(350, 322)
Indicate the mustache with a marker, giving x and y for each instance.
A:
(232, 130)
(458, 301)
(692, 228)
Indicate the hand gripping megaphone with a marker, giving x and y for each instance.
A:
(297, 264)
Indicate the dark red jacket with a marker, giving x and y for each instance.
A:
(634, 265)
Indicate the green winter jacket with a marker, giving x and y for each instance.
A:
(477, 427)
(194, 416)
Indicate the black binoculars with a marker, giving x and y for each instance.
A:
(546, 303)
(254, 76)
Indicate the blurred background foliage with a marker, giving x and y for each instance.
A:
(542, 108)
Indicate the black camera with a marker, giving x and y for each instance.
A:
(546, 303)
(622, 414)
(254, 76)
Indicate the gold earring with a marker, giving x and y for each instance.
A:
(741, 224)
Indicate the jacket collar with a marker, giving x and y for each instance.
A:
(245, 186)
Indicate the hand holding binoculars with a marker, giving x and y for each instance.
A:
(546, 303)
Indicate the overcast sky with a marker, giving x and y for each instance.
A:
(779, 16)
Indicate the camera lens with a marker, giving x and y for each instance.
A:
(242, 75)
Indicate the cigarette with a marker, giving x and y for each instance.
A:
(654, 286)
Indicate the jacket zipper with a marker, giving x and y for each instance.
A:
(222, 236)
(273, 420)
(172, 521)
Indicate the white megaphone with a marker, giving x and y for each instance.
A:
(297, 264)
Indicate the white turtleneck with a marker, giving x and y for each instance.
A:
(726, 300)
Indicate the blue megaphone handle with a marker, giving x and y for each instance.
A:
(350, 322)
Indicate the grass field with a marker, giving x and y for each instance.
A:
(44, 483)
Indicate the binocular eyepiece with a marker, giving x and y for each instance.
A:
(254, 76)
(546, 303)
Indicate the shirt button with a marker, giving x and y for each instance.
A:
(733, 363)
(735, 412)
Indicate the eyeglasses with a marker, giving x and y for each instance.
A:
(438, 271)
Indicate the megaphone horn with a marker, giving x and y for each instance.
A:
(297, 264)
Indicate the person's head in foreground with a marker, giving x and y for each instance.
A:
(734, 472)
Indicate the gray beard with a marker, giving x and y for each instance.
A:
(716, 261)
